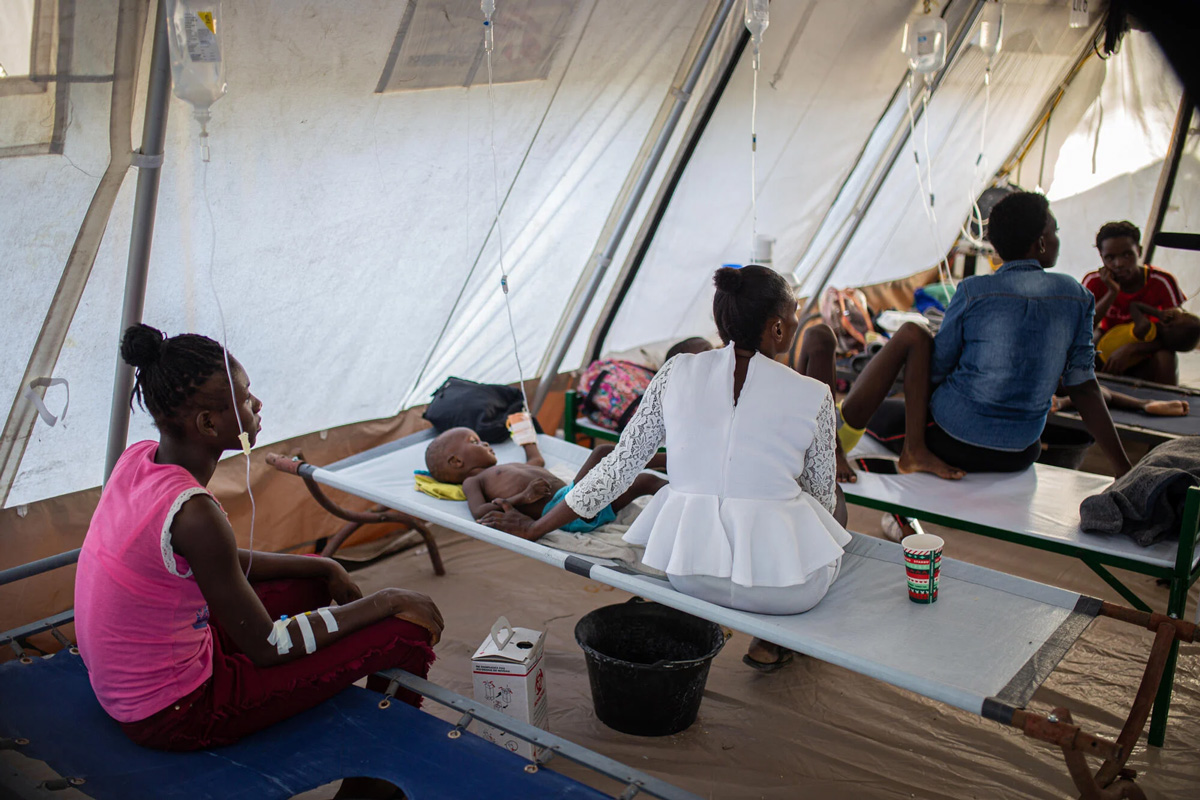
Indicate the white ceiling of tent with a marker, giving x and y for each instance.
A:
(346, 221)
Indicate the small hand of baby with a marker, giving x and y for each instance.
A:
(520, 425)
(538, 489)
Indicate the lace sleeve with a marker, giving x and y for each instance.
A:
(819, 477)
(639, 442)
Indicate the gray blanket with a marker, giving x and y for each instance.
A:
(1146, 504)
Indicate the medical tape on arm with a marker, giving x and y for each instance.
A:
(306, 631)
(327, 615)
(280, 636)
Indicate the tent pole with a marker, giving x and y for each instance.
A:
(896, 147)
(566, 335)
(150, 156)
(1166, 179)
(658, 209)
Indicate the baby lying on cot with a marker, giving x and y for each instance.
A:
(460, 456)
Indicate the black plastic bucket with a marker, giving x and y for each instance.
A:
(1064, 447)
(647, 664)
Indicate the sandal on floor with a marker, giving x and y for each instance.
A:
(785, 657)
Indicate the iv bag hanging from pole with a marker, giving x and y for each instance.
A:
(758, 17)
(924, 42)
(197, 61)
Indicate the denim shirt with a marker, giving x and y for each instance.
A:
(1006, 340)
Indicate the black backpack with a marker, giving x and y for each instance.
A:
(482, 407)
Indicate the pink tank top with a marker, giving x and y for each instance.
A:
(140, 619)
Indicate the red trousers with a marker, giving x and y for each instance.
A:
(240, 698)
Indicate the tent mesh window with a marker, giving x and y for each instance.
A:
(438, 43)
(32, 106)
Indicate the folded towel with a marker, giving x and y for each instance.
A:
(433, 488)
(1146, 504)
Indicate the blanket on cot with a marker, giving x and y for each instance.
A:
(1146, 503)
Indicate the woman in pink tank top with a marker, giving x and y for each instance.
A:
(182, 647)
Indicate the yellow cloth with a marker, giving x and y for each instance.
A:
(1118, 336)
(848, 437)
(442, 491)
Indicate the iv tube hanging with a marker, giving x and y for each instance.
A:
(488, 7)
(757, 19)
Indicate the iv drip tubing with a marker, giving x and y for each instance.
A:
(754, 162)
(499, 231)
(212, 285)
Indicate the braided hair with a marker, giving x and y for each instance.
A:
(170, 372)
(745, 299)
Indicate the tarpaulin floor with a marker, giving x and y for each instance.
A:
(815, 730)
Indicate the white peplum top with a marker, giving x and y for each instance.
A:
(752, 486)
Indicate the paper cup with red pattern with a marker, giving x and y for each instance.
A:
(923, 566)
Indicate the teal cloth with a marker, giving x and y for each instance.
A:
(605, 515)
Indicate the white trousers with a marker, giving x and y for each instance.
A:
(783, 600)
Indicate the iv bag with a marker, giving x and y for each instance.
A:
(925, 43)
(991, 28)
(1080, 14)
(757, 18)
(197, 66)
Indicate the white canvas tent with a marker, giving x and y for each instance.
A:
(355, 255)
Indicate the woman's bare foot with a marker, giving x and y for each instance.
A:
(1166, 408)
(1059, 403)
(925, 461)
(845, 472)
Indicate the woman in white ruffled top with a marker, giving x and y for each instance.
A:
(752, 517)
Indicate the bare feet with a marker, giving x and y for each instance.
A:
(925, 461)
(1166, 408)
(845, 472)
(1059, 403)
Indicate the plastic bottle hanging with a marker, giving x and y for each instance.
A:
(758, 17)
(924, 42)
(197, 65)
(488, 7)
(991, 29)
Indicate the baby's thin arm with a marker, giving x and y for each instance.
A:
(533, 455)
(476, 499)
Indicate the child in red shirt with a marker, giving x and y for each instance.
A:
(1123, 280)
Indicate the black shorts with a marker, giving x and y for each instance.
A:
(887, 428)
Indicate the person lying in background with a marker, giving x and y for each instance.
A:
(1122, 281)
(610, 389)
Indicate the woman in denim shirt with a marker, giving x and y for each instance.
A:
(1008, 339)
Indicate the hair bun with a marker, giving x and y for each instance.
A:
(728, 280)
(142, 346)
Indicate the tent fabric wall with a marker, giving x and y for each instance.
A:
(1109, 164)
(833, 66)
(895, 237)
(346, 222)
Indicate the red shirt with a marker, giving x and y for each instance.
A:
(1160, 291)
